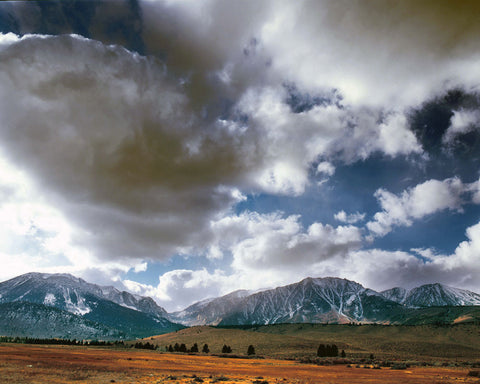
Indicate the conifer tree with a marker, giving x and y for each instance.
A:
(322, 351)
(334, 350)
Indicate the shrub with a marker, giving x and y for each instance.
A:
(250, 350)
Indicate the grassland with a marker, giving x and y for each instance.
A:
(428, 343)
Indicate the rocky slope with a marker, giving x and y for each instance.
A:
(40, 321)
(432, 295)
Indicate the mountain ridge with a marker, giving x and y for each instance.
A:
(435, 294)
(108, 312)
(328, 299)
(71, 286)
(121, 312)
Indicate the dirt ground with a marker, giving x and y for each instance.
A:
(63, 364)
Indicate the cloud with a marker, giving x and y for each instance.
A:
(373, 54)
(381, 270)
(349, 218)
(263, 242)
(114, 143)
(181, 287)
(109, 139)
(320, 48)
(415, 203)
(462, 122)
(325, 168)
(395, 137)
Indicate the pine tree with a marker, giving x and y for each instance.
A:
(194, 348)
(183, 348)
(176, 347)
(343, 354)
(328, 350)
(322, 351)
(205, 349)
(250, 350)
(334, 351)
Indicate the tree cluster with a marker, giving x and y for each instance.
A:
(327, 350)
(146, 345)
(205, 349)
(226, 349)
(183, 348)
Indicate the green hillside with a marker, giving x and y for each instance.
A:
(422, 342)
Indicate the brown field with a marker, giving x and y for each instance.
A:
(21, 363)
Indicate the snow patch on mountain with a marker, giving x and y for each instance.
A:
(49, 299)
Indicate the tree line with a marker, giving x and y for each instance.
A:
(52, 341)
(206, 349)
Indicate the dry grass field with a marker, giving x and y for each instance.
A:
(66, 364)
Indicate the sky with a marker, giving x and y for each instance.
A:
(186, 149)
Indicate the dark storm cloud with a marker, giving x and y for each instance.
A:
(113, 142)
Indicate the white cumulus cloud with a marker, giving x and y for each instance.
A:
(415, 203)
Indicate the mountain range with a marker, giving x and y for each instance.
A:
(320, 300)
(61, 305)
(107, 312)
